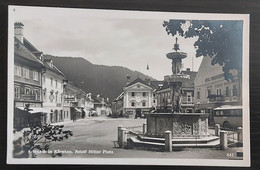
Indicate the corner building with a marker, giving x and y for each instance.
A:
(212, 90)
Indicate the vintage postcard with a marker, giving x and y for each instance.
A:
(89, 86)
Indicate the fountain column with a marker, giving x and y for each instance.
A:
(176, 78)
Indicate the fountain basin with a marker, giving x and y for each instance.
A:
(183, 125)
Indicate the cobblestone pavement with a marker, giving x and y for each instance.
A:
(93, 138)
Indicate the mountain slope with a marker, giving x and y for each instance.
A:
(96, 79)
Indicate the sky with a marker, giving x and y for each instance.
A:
(106, 37)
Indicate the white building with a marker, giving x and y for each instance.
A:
(138, 98)
(211, 88)
(53, 92)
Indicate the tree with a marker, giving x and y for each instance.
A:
(221, 40)
(37, 138)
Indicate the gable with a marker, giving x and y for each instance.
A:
(206, 71)
(138, 87)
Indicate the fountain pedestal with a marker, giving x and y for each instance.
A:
(184, 125)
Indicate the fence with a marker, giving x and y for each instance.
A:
(135, 130)
(230, 138)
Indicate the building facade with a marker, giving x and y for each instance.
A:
(28, 70)
(101, 106)
(138, 98)
(164, 95)
(77, 103)
(212, 90)
(118, 105)
(53, 92)
(52, 86)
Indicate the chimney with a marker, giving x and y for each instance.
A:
(18, 31)
(187, 69)
(128, 79)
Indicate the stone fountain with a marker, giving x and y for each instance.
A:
(182, 125)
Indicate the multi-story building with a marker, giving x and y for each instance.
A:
(89, 104)
(52, 86)
(211, 88)
(28, 70)
(101, 105)
(53, 92)
(164, 94)
(77, 102)
(117, 106)
(138, 98)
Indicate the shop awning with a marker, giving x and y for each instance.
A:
(34, 110)
(38, 110)
(77, 110)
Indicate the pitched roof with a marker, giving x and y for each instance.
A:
(136, 81)
(29, 45)
(207, 70)
(54, 68)
(191, 73)
(156, 84)
(34, 50)
(24, 52)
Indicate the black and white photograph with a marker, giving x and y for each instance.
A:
(95, 86)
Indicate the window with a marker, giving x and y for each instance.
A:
(189, 97)
(51, 81)
(27, 91)
(143, 103)
(132, 104)
(56, 97)
(227, 91)
(153, 101)
(17, 71)
(133, 94)
(17, 92)
(36, 93)
(60, 98)
(56, 83)
(234, 90)
(35, 75)
(198, 94)
(209, 92)
(144, 94)
(26, 73)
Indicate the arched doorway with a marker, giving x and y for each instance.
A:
(56, 116)
(51, 117)
(61, 115)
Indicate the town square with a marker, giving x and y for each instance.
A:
(173, 91)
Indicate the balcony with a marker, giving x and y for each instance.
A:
(216, 98)
(187, 103)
